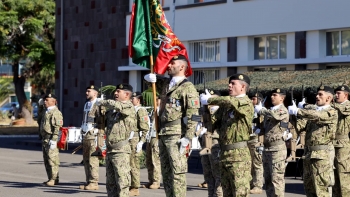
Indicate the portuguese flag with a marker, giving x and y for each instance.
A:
(151, 34)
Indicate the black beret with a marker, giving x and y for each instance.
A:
(179, 57)
(50, 96)
(279, 91)
(342, 88)
(124, 86)
(134, 94)
(258, 95)
(214, 92)
(241, 77)
(326, 89)
(92, 87)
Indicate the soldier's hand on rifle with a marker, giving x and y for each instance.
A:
(204, 97)
(293, 109)
(301, 104)
(257, 131)
(52, 144)
(152, 78)
(184, 142)
(258, 107)
(204, 130)
(139, 146)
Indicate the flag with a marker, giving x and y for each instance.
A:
(151, 34)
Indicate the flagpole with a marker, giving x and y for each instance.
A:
(154, 98)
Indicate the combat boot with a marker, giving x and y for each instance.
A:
(203, 185)
(256, 190)
(134, 192)
(146, 185)
(92, 186)
(155, 185)
(50, 183)
(83, 186)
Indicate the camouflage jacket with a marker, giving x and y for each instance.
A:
(142, 122)
(275, 123)
(179, 104)
(320, 127)
(96, 115)
(343, 127)
(121, 120)
(51, 122)
(208, 112)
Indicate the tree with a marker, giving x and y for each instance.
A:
(27, 33)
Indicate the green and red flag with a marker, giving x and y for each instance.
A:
(151, 34)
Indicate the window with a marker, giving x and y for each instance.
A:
(267, 69)
(338, 43)
(270, 47)
(205, 51)
(201, 76)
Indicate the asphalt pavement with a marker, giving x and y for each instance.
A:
(22, 173)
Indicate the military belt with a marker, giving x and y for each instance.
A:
(119, 144)
(171, 123)
(235, 146)
(275, 143)
(341, 137)
(317, 147)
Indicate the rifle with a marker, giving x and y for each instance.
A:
(77, 148)
(291, 127)
(259, 124)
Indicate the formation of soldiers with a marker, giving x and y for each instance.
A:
(243, 142)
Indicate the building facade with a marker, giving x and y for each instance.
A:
(224, 37)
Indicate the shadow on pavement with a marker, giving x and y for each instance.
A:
(295, 188)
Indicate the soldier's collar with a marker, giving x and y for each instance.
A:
(240, 96)
(276, 107)
(319, 108)
(50, 108)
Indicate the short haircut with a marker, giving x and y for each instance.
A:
(246, 85)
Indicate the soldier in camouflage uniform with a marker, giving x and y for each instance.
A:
(91, 127)
(276, 122)
(137, 141)
(234, 125)
(210, 150)
(341, 144)
(51, 122)
(320, 123)
(121, 125)
(178, 105)
(256, 152)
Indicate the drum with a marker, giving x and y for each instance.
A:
(74, 135)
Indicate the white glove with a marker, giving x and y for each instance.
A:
(293, 109)
(41, 101)
(287, 135)
(204, 130)
(204, 97)
(151, 78)
(52, 144)
(95, 132)
(257, 131)
(131, 135)
(184, 142)
(301, 104)
(258, 107)
(139, 146)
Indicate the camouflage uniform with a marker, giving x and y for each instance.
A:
(342, 151)
(51, 122)
(90, 156)
(153, 160)
(210, 162)
(233, 122)
(320, 126)
(179, 102)
(143, 127)
(120, 122)
(275, 150)
(41, 113)
(256, 154)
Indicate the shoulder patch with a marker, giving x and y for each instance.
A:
(195, 102)
(144, 118)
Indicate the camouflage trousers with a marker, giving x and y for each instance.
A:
(173, 165)
(135, 163)
(211, 172)
(51, 161)
(153, 161)
(342, 172)
(117, 174)
(257, 168)
(274, 169)
(235, 175)
(318, 177)
(91, 163)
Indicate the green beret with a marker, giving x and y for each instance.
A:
(241, 77)
(258, 95)
(50, 96)
(325, 88)
(92, 87)
(179, 57)
(214, 92)
(136, 94)
(342, 88)
(124, 86)
(279, 91)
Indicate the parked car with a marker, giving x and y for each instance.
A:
(7, 108)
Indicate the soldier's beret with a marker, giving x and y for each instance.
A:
(258, 95)
(50, 96)
(279, 91)
(214, 92)
(342, 88)
(179, 57)
(92, 87)
(124, 86)
(241, 77)
(135, 94)
(325, 88)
